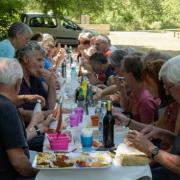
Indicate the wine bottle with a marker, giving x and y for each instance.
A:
(108, 127)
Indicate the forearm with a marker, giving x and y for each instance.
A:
(124, 100)
(109, 90)
(167, 135)
(20, 162)
(26, 114)
(170, 161)
(136, 125)
(51, 99)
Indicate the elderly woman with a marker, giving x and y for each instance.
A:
(31, 59)
(170, 161)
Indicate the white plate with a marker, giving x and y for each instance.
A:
(75, 166)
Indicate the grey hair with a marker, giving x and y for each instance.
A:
(103, 39)
(19, 27)
(171, 70)
(117, 57)
(10, 71)
(28, 50)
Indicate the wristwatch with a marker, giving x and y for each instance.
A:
(37, 130)
(154, 152)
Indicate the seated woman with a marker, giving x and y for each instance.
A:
(169, 115)
(31, 59)
(170, 161)
(140, 102)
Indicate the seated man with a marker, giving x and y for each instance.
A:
(100, 66)
(14, 152)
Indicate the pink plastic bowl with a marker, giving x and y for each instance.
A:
(60, 142)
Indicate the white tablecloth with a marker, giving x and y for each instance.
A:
(112, 173)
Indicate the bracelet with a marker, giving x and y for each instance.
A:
(37, 130)
(129, 122)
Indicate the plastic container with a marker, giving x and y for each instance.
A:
(79, 111)
(58, 142)
(94, 120)
(74, 119)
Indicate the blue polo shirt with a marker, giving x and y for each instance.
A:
(36, 87)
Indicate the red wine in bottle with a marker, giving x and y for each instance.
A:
(108, 127)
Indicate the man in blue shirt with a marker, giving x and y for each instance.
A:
(18, 35)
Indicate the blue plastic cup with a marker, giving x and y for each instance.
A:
(86, 141)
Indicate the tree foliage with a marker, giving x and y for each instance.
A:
(120, 14)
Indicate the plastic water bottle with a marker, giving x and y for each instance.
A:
(73, 72)
(100, 125)
(38, 107)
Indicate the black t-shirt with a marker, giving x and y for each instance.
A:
(35, 88)
(175, 150)
(12, 135)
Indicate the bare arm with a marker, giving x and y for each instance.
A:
(20, 162)
(170, 161)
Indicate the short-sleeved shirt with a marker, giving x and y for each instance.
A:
(36, 87)
(47, 63)
(144, 106)
(104, 76)
(12, 135)
(7, 49)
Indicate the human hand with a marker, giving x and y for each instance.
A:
(49, 76)
(151, 132)
(98, 93)
(111, 80)
(34, 98)
(120, 83)
(139, 141)
(37, 118)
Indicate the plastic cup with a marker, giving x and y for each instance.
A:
(74, 120)
(94, 120)
(86, 138)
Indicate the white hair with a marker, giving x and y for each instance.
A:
(103, 39)
(47, 37)
(171, 70)
(10, 71)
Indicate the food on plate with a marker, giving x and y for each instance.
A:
(45, 159)
(63, 161)
(72, 160)
(128, 156)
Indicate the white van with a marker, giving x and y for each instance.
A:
(65, 30)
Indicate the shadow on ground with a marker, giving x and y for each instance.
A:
(146, 49)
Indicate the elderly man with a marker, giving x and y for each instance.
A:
(18, 35)
(102, 45)
(14, 151)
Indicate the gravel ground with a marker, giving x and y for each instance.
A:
(144, 41)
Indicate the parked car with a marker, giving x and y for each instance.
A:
(65, 30)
